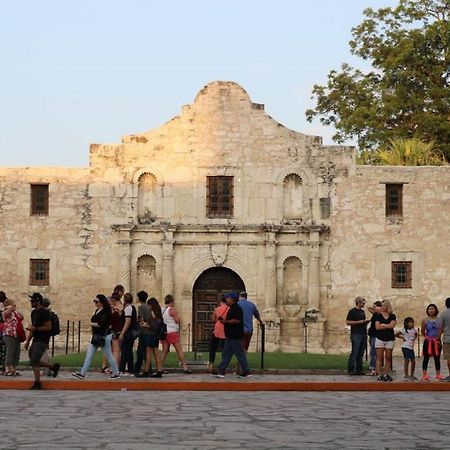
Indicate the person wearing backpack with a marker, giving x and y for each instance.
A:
(39, 332)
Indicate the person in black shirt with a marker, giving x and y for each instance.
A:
(40, 331)
(356, 318)
(234, 334)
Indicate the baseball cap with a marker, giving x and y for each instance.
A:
(36, 296)
(233, 295)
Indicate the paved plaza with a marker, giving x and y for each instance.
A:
(125, 420)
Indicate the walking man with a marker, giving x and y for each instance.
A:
(444, 320)
(356, 319)
(234, 333)
(250, 310)
(39, 332)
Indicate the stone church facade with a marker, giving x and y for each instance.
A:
(224, 197)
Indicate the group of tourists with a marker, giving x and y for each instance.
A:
(116, 325)
(434, 328)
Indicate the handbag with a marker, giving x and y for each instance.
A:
(20, 330)
(98, 340)
(161, 330)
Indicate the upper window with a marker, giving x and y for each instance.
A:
(39, 199)
(219, 196)
(401, 274)
(39, 272)
(394, 199)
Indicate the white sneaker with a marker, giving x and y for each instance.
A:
(78, 375)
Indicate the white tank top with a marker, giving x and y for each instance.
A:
(172, 326)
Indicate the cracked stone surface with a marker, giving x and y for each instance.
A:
(126, 420)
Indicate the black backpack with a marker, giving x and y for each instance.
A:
(161, 330)
(56, 329)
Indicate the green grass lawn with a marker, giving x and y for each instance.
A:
(275, 360)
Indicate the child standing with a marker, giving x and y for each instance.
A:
(409, 334)
(432, 344)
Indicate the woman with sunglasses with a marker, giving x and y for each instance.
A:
(432, 346)
(101, 337)
(385, 322)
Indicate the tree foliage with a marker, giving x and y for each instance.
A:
(403, 152)
(407, 92)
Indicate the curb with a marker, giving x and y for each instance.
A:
(220, 385)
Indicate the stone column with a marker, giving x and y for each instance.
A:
(125, 261)
(314, 271)
(167, 264)
(270, 285)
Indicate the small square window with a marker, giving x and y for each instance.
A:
(39, 199)
(394, 200)
(401, 274)
(39, 272)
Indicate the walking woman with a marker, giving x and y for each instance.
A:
(12, 320)
(432, 346)
(218, 334)
(101, 337)
(385, 323)
(153, 341)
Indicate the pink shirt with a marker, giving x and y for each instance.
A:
(219, 330)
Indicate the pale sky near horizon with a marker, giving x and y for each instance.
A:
(77, 72)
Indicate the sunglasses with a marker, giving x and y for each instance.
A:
(96, 301)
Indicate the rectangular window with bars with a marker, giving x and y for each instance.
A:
(39, 272)
(394, 200)
(219, 196)
(39, 199)
(401, 274)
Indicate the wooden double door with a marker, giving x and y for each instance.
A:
(207, 292)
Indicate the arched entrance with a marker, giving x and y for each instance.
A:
(207, 291)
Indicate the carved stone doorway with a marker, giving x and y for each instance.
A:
(208, 289)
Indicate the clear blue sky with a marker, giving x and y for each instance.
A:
(77, 72)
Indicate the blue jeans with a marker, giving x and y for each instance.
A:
(107, 351)
(355, 361)
(373, 353)
(233, 347)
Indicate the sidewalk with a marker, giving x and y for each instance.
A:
(97, 381)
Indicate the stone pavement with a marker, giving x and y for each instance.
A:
(124, 420)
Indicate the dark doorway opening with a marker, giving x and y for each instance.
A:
(208, 289)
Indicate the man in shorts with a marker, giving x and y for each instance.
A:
(172, 320)
(40, 333)
(444, 320)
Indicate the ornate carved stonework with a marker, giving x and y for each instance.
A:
(219, 253)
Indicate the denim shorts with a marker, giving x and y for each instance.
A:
(408, 353)
(36, 352)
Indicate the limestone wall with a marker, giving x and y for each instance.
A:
(364, 242)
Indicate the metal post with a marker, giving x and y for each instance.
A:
(263, 346)
(73, 337)
(67, 337)
(79, 335)
(306, 335)
(53, 346)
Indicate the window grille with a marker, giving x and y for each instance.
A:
(39, 272)
(401, 274)
(39, 199)
(219, 196)
(394, 200)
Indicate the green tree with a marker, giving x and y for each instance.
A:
(403, 152)
(407, 92)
